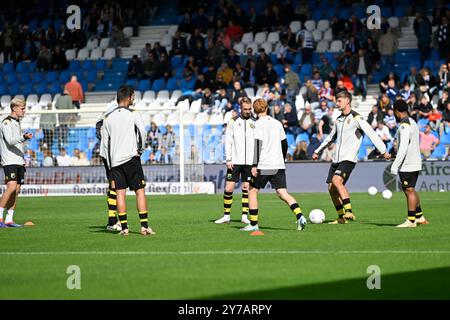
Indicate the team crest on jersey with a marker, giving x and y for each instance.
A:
(252, 126)
(405, 183)
(13, 175)
(348, 121)
(229, 176)
(343, 175)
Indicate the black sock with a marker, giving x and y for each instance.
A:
(227, 202)
(296, 210)
(412, 215)
(347, 205)
(253, 217)
(419, 212)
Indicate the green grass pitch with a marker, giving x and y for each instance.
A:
(192, 258)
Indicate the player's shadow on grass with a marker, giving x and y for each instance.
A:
(266, 228)
(378, 224)
(423, 284)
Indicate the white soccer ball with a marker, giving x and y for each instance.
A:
(316, 216)
(372, 191)
(387, 194)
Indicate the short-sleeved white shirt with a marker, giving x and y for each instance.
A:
(270, 132)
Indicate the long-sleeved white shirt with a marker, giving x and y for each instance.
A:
(11, 142)
(240, 140)
(408, 157)
(347, 134)
(124, 133)
(99, 124)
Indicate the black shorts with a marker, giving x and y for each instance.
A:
(128, 175)
(277, 180)
(14, 173)
(243, 172)
(408, 179)
(342, 169)
(108, 171)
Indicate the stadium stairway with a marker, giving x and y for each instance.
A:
(148, 34)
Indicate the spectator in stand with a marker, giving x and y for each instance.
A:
(207, 101)
(384, 83)
(48, 159)
(445, 127)
(44, 59)
(290, 122)
(225, 72)
(168, 138)
(237, 93)
(306, 122)
(47, 124)
(428, 142)
(165, 157)
(361, 68)
(375, 116)
(442, 103)
(321, 111)
(383, 132)
(271, 74)
(74, 89)
(411, 78)
(292, 83)
(234, 31)
(179, 45)
(278, 113)
(306, 43)
(372, 52)
(326, 93)
(325, 68)
(435, 119)
(316, 81)
(185, 25)
(190, 67)
(352, 45)
(391, 90)
(282, 52)
(247, 58)
(63, 159)
(164, 67)
(413, 106)
(222, 101)
(443, 76)
(117, 38)
(151, 66)
(443, 38)
(384, 103)
(301, 152)
(199, 53)
(144, 54)
(154, 138)
(387, 46)
(200, 21)
(427, 83)
(422, 29)
(424, 108)
(405, 93)
(339, 87)
(59, 60)
(390, 121)
(232, 59)
(64, 102)
(135, 68)
(83, 161)
(312, 95)
(325, 125)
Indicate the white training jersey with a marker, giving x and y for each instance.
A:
(11, 142)
(99, 124)
(240, 140)
(124, 131)
(408, 157)
(347, 134)
(270, 132)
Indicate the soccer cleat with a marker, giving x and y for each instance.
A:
(349, 216)
(339, 221)
(147, 231)
(244, 219)
(2, 225)
(13, 225)
(407, 224)
(224, 219)
(421, 220)
(250, 228)
(301, 223)
(115, 227)
(124, 232)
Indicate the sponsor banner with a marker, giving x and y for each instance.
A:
(311, 177)
(154, 188)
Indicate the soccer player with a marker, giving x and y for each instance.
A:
(239, 141)
(12, 158)
(124, 132)
(268, 165)
(347, 134)
(408, 163)
(113, 222)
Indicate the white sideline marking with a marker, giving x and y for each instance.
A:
(174, 253)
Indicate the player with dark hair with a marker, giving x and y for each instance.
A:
(408, 163)
(268, 165)
(347, 134)
(124, 132)
(239, 141)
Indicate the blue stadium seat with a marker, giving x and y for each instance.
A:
(33, 25)
(445, 138)
(38, 77)
(8, 67)
(3, 90)
(64, 76)
(51, 77)
(172, 84)
(57, 24)
(400, 11)
(187, 85)
(145, 155)
(14, 89)
(290, 139)
(92, 75)
(158, 84)
(100, 64)
(27, 89)
(439, 152)
(45, 24)
(41, 88)
(55, 88)
(87, 65)
(12, 78)
(179, 73)
(84, 85)
(74, 65)
(32, 66)
(144, 85)
(317, 15)
(176, 61)
(25, 77)
(302, 137)
(298, 59)
(362, 153)
(134, 83)
(22, 67)
(422, 123)
(279, 69)
(306, 70)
